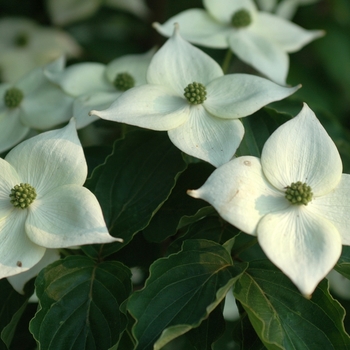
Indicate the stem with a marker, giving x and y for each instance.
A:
(226, 64)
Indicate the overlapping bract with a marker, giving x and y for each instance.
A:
(63, 214)
(211, 130)
(263, 44)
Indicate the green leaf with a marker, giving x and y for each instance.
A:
(283, 318)
(343, 264)
(245, 335)
(200, 214)
(209, 330)
(95, 156)
(134, 182)
(12, 306)
(79, 303)
(212, 228)
(165, 222)
(182, 290)
(258, 128)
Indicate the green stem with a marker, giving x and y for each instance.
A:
(226, 64)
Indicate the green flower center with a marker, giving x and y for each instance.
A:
(22, 195)
(241, 18)
(299, 193)
(124, 81)
(21, 40)
(195, 93)
(13, 97)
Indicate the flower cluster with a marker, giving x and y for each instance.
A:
(188, 95)
(244, 196)
(27, 104)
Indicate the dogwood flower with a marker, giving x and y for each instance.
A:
(285, 8)
(295, 199)
(63, 12)
(43, 203)
(33, 102)
(95, 85)
(24, 45)
(260, 39)
(188, 95)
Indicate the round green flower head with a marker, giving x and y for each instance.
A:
(22, 195)
(241, 18)
(21, 40)
(13, 97)
(124, 81)
(299, 193)
(195, 93)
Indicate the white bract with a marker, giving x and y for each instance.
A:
(95, 85)
(203, 120)
(63, 12)
(43, 203)
(33, 102)
(24, 45)
(19, 281)
(302, 234)
(285, 8)
(339, 284)
(260, 39)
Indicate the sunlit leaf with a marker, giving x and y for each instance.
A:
(182, 290)
(283, 318)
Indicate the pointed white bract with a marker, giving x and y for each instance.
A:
(28, 104)
(284, 8)
(210, 130)
(303, 240)
(63, 12)
(264, 43)
(93, 85)
(19, 281)
(24, 46)
(63, 214)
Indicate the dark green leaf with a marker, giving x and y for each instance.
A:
(209, 330)
(283, 318)
(211, 228)
(343, 265)
(79, 303)
(134, 182)
(165, 222)
(12, 306)
(181, 292)
(245, 335)
(258, 128)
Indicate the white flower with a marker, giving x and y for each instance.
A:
(63, 12)
(285, 8)
(95, 85)
(205, 126)
(303, 239)
(18, 281)
(339, 284)
(257, 38)
(32, 102)
(43, 203)
(230, 312)
(24, 45)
